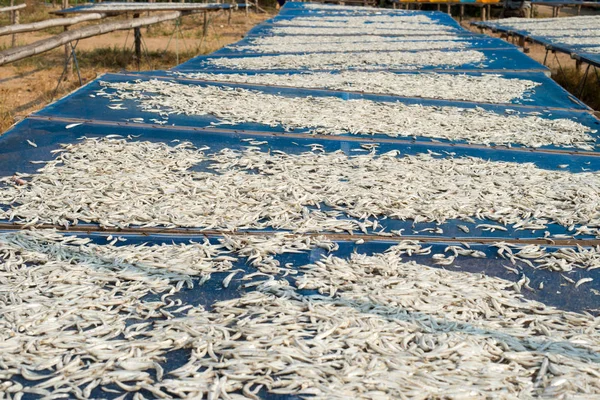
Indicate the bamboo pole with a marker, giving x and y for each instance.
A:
(12, 8)
(14, 18)
(68, 65)
(50, 23)
(41, 46)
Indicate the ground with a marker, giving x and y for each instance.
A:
(28, 85)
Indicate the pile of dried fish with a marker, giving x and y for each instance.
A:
(405, 45)
(76, 315)
(251, 189)
(353, 9)
(354, 20)
(365, 60)
(564, 259)
(487, 88)
(333, 115)
(388, 329)
(71, 319)
(383, 22)
(75, 322)
(291, 40)
(372, 29)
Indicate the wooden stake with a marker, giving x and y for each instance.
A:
(69, 70)
(137, 37)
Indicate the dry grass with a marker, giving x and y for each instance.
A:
(29, 84)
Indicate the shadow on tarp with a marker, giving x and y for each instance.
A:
(556, 293)
(16, 155)
(85, 104)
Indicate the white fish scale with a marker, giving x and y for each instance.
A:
(283, 47)
(389, 60)
(257, 190)
(332, 115)
(489, 88)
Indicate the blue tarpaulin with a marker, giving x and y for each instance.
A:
(548, 94)
(80, 105)
(48, 135)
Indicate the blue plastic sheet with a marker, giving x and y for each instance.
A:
(16, 154)
(555, 293)
(495, 60)
(548, 95)
(80, 105)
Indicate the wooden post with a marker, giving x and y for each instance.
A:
(246, 1)
(205, 27)
(230, 14)
(14, 19)
(462, 12)
(137, 36)
(483, 13)
(439, 6)
(69, 70)
(449, 9)
(579, 9)
(531, 10)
